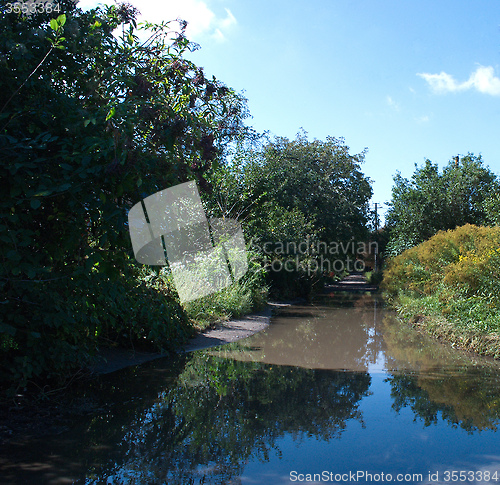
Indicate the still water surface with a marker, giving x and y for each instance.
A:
(338, 387)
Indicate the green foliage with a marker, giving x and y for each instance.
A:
(90, 124)
(465, 259)
(63, 325)
(455, 276)
(492, 209)
(431, 201)
(294, 192)
(374, 277)
(291, 189)
(242, 297)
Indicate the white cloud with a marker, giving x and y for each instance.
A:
(483, 79)
(422, 119)
(218, 35)
(223, 24)
(196, 12)
(440, 83)
(229, 21)
(392, 103)
(88, 4)
(202, 21)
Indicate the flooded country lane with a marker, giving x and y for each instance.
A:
(335, 391)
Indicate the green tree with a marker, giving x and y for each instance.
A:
(91, 122)
(468, 185)
(431, 201)
(322, 180)
(295, 192)
(314, 187)
(492, 208)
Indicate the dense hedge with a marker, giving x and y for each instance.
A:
(92, 120)
(466, 260)
(53, 328)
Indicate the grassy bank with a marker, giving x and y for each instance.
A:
(246, 295)
(138, 309)
(450, 286)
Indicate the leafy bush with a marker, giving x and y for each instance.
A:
(90, 124)
(374, 277)
(54, 328)
(465, 259)
(455, 275)
(245, 295)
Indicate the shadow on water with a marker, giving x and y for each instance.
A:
(317, 388)
(202, 416)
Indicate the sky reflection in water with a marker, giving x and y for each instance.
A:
(337, 386)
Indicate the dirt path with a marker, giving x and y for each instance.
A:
(111, 360)
(230, 331)
(352, 282)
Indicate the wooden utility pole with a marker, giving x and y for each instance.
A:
(376, 231)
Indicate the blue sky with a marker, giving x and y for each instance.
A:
(408, 80)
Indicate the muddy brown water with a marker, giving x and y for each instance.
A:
(336, 391)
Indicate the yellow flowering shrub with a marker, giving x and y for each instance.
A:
(465, 259)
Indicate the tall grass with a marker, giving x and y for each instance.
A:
(242, 297)
(450, 285)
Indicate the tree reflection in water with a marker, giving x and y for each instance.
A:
(202, 417)
(219, 413)
(437, 381)
(468, 401)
